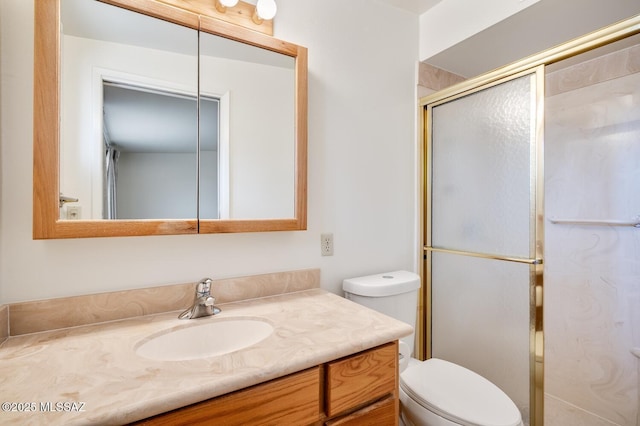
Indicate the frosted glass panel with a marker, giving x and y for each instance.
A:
(480, 320)
(482, 160)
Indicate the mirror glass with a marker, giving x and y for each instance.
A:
(128, 107)
(256, 150)
(158, 121)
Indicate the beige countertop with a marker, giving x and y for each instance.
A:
(93, 375)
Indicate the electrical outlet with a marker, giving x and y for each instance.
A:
(326, 244)
(74, 213)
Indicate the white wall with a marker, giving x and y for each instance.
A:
(452, 21)
(362, 167)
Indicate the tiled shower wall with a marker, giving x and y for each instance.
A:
(592, 273)
(431, 79)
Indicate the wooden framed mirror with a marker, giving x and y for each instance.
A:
(250, 86)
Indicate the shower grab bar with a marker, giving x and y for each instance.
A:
(635, 223)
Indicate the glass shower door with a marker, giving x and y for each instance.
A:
(481, 243)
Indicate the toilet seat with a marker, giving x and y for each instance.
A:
(458, 394)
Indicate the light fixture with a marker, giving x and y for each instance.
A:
(265, 10)
(222, 5)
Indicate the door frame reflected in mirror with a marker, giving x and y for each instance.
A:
(46, 173)
(150, 134)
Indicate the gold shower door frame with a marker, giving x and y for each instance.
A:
(536, 226)
(532, 64)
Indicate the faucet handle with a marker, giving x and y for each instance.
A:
(209, 306)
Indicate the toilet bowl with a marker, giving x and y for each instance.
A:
(434, 392)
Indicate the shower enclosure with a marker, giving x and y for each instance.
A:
(484, 218)
(483, 241)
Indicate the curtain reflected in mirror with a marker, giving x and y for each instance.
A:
(111, 178)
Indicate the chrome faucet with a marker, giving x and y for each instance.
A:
(203, 302)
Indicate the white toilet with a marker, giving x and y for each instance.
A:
(432, 392)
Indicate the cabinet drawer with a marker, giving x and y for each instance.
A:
(385, 412)
(293, 399)
(361, 378)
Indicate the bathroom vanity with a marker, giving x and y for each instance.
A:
(356, 389)
(327, 361)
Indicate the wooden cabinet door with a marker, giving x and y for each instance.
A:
(361, 379)
(385, 412)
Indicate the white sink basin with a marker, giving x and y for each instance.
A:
(204, 338)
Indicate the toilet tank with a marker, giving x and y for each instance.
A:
(392, 293)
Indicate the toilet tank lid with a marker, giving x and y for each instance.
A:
(380, 285)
